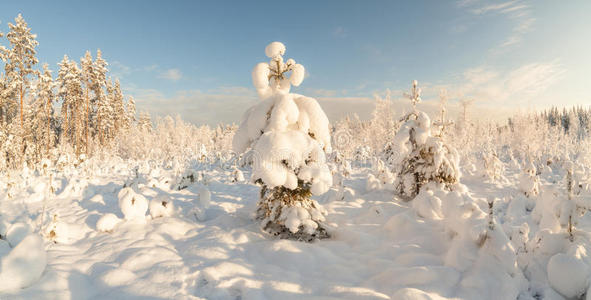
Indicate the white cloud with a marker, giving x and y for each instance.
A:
(517, 10)
(120, 70)
(220, 105)
(171, 74)
(506, 88)
(339, 32)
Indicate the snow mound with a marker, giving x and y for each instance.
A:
(107, 222)
(161, 206)
(568, 275)
(132, 205)
(17, 232)
(204, 197)
(23, 265)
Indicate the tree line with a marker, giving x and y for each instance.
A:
(82, 107)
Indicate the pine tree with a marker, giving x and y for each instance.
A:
(107, 112)
(131, 120)
(43, 120)
(72, 95)
(100, 99)
(145, 122)
(119, 116)
(88, 77)
(20, 59)
(289, 135)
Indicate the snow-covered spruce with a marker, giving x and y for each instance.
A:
(421, 157)
(289, 135)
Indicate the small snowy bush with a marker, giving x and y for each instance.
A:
(529, 182)
(107, 223)
(422, 157)
(132, 205)
(161, 207)
(289, 135)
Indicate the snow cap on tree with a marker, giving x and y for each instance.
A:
(275, 49)
(272, 77)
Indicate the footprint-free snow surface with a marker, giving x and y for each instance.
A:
(208, 246)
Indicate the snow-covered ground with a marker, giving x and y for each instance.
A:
(214, 249)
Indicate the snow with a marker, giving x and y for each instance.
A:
(132, 205)
(568, 275)
(438, 246)
(161, 206)
(23, 265)
(17, 232)
(275, 49)
(107, 222)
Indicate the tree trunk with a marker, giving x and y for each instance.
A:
(48, 109)
(87, 121)
(21, 95)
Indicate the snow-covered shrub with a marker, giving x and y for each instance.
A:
(107, 223)
(382, 174)
(288, 134)
(132, 205)
(421, 157)
(493, 167)
(57, 230)
(340, 169)
(529, 181)
(237, 175)
(161, 206)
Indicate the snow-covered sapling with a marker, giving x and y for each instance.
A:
(289, 136)
(161, 206)
(237, 175)
(529, 182)
(442, 122)
(422, 157)
(132, 205)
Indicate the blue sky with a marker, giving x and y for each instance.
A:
(195, 57)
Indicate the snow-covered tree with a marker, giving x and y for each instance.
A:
(289, 135)
(20, 59)
(72, 95)
(529, 181)
(87, 76)
(443, 123)
(100, 100)
(106, 111)
(119, 114)
(420, 156)
(130, 108)
(42, 114)
(145, 121)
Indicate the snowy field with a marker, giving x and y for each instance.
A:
(100, 202)
(381, 247)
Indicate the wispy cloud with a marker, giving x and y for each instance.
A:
(171, 74)
(121, 70)
(339, 32)
(519, 11)
(219, 105)
(510, 87)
